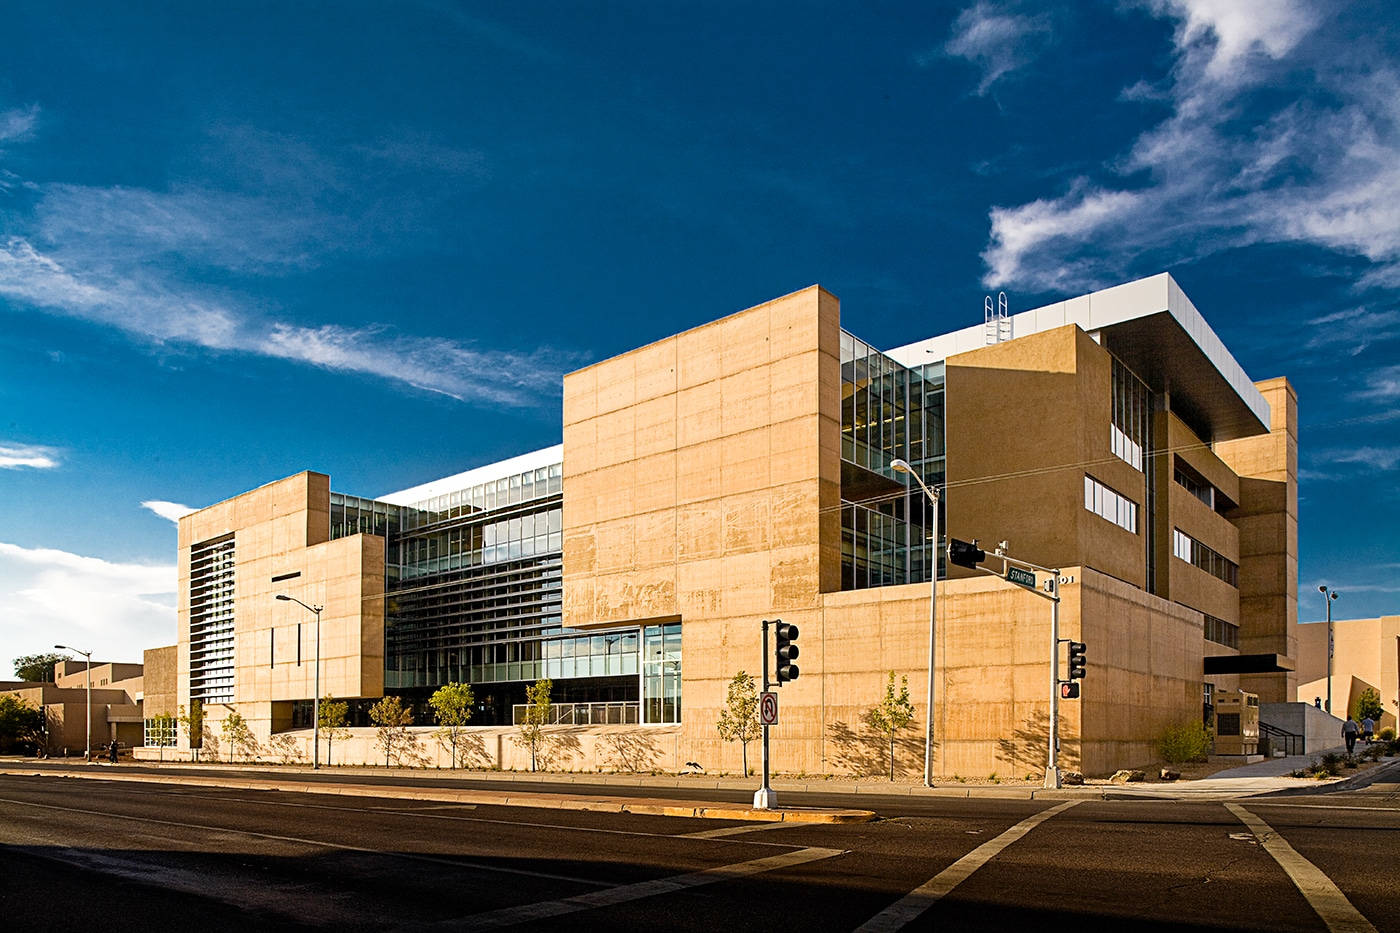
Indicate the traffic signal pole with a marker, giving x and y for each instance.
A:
(763, 798)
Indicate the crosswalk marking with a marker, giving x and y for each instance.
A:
(1324, 896)
(908, 908)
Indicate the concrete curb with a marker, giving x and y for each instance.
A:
(643, 807)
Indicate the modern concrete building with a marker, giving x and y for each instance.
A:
(1366, 655)
(742, 471)
(115, 707)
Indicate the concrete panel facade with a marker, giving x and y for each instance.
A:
(1366, 653)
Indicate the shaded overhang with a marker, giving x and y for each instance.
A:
(1247, 664)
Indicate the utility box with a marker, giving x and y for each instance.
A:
(1236, 723)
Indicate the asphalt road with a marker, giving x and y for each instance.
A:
(95, 854)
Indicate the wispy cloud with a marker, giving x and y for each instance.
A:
(1319, 168)
(30, 456)
(995, 39)
(1382, 385)
(112, 609)
(170, 511)
(17, 125)
(1377, 458)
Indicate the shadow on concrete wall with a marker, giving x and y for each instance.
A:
(628, 751)
(1025, 750)
(862, 751)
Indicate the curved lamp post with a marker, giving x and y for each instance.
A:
(316, 696)
(1327, 597)
(902, 466)
(87, 754)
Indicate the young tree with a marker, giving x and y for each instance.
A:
(453, 705)
(38, 668)
(391, 722)
(238, 737)
(162, 731)
(536, 715)
(21, 725)
(192, 723)
(892, 714)
(1368, 704)
(738, 720)
(334, 716)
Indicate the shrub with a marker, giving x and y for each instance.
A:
(1386, 735)
(1187, 741)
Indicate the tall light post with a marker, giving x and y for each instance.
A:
(87, 754)
(1327, 597)
(902, 466)
(316, 695)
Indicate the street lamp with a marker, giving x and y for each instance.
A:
(1327, 597)
(316, 695)
(902, 466)
(87, 755)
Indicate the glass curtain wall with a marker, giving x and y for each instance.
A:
(888, 412)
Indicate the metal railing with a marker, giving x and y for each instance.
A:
(1290, 742)
(584, 714)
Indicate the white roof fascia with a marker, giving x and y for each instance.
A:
(482, 474)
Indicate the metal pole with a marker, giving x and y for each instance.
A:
(932, 624)
(1052, 766)
(316, 700)
(763, 798)
(88, 755)
(1327, 599)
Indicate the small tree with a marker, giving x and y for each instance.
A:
(1368, 704)
(738, 719)
(161, 728)
(21, 725)
(536, 715)
(334, 716)
(38, 668)
(238, 737)
(192, 724)
(892, 714)
(453, 705)
(391, 722)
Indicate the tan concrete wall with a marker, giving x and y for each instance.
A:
(1267, 519)
(1366, 653)
(282, 528)
(1041, 401)
(160, 682)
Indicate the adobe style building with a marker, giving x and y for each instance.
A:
(115, 708)
(742, 471)
(1366, 655)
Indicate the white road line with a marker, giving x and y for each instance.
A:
(737, 830)
(451, 862)
(543, 910)
(1324, 896)
(908, 908)
(1341, 807)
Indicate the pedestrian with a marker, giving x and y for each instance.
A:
(1349, 730)
(112, 751)
(1368, 729)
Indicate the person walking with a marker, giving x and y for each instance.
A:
(1349, 730)
(112, 751)
(1368, 729)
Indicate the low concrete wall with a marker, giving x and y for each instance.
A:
(1320, 730)
(626, 749)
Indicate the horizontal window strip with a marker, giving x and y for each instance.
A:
(1107, 503)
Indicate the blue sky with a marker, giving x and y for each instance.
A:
(242, 240)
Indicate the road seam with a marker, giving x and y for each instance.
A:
(908, 908)
(1321, 893)
(733, 831)
(543, 910)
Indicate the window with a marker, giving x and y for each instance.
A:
(1197, 554)
(1127, 435)
(1222, 632)
(1111, 505)
(1196, 487)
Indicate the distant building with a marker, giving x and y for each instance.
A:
(116, 705)
(1366, 654)
(742, 471)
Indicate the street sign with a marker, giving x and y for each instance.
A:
(768, 708)
(1023, 577)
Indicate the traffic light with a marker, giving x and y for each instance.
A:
(1076, 660)
(965, 553)
(1069, 691)
(786, 638)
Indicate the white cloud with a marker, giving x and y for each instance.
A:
(1382, 385)
(18, 124)
(114, 610)
(996, 41)
(155, 312)
(1378, 458)
(171, 511)
(18, 456)
(1318, 168)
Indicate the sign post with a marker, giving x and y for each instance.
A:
(763, 798)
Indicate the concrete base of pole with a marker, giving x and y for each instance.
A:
(764, 799)
(1052, 778)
